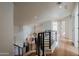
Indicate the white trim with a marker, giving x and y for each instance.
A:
(4, 54)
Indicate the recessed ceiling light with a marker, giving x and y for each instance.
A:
(60, 6)
(59, 2)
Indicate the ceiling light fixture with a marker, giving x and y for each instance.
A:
(59, 4)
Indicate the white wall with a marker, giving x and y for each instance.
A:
(47, 25)
(18, 35)
(63, 28)
(68, 27)
(27, 30)
(76, 27)
(21, 33)
(59, 31)
(43, 26)
(6, 28)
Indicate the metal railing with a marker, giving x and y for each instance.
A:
(20, 49)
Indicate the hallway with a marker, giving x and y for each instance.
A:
(65, 48)
(20, 24)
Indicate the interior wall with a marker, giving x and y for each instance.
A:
(18, 35)
(76, 26)
(63, 28)
(6, 28)
(27, 30)
(59, 31)
(68, 27)
(22, 32)
(43, 26)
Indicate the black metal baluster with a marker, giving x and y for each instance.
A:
(38, 44)
(18, 51)
(43, 43)
(22, 51)
(49, 40)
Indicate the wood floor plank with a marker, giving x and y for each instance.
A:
(65, 48)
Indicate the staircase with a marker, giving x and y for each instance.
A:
(46, 44)
(50, 40)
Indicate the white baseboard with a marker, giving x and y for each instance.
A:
(4, 54)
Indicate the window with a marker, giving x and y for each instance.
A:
(54, 27)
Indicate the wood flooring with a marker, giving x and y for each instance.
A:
(65, 48)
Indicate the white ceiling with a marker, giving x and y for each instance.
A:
(34, 12)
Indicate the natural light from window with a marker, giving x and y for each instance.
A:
(54, 27)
